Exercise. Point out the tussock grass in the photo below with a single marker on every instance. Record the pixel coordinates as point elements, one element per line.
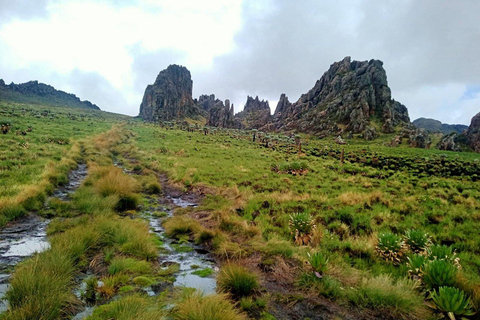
<point>129,307</point>
<point>398,297</point>
<point>180,225</point>
<point>237,280</point>
<point>128,265</point>
<point>194,306</point>
<point>41,287</point>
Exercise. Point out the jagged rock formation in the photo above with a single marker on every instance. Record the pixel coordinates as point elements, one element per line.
<point>433,125</point>
<point>346,98</point>
<point>449,142</point>
<point>283,107</point>
<point>473,133</point>
<point>219,114</point>
<point>205,102</point>
<point>170,97</point>
<point>40,93</point>
<point>255,114</point>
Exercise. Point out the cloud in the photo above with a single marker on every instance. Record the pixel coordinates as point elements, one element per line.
<point>22,9</point>
<point>427,46</point>
<point>236,48</point>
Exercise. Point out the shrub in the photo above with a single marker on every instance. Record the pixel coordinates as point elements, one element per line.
<point>302,226</point>
<point>318,261</point>
<point>442,252</point>
<point>438,273</point>
<point>452,301</point>
<point>415,263</point>
<point>390,247</point>
<point>237,280</point>
<point>194,306</point>
<point>417,240</point>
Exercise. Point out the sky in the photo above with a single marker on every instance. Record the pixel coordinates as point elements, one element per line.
<point>108,51</point>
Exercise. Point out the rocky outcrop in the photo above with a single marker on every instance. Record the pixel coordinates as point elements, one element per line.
<point>417,138</point>
<point>449,142</point>
<point>39,93</point>
<point>221,115</point>
<point>283,107</point>
<point>255,114</point>
<point>205,102</point>
<point>433,125</point>
<point>473,133</point>
<point>347,97</point>
<point>170,97</point>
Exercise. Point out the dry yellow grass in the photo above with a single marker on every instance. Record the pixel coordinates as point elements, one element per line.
<point>352,198</point>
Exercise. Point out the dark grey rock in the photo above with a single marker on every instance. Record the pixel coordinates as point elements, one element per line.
<point>473,133</point>
<point>351,93</point>
<point>170,97</point>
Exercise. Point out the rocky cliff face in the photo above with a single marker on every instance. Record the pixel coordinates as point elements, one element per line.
<point>170,97</point>
<point>473,133</point>
<point>255,114</point>
<point>346,99</point>
<point>219,114</point>
<point>40,93</point>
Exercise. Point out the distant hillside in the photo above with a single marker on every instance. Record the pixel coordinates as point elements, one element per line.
<point>40,93</point>
<point>433,125</point>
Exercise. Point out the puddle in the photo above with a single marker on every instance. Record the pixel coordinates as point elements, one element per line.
<point>179,202</point>
<point>195,258</point>
<point>75,179</point>
<point>189,261</point>
<point>27,235</point>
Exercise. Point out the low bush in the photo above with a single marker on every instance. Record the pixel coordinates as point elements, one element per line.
<point>319,262</point>
<point>417,240</point>
<point>452,301</point>
<point>439,273</point>
<point>390,247</point>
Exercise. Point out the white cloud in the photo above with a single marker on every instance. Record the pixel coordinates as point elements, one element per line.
<point>97,37</point>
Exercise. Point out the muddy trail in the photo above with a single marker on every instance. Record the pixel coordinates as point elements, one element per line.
<point>22,238</point>
<point>189,257</point>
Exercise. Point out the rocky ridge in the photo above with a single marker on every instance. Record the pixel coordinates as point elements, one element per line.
<point>39,93</point>
<point>345,99</point>
<point>255,114</point>
<point>351,97</point>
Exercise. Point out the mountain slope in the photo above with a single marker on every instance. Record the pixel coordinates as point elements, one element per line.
<point>40,93</point>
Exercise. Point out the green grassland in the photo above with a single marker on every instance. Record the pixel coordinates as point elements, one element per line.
<point>360,229</point>
<point>256,190</point>
<point>31,152</point>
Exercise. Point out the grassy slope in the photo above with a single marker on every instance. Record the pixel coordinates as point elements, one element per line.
<point>27,161</point>
<point>349,208</point>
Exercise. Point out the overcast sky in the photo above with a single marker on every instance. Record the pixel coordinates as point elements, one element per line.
<point>109,51</point>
